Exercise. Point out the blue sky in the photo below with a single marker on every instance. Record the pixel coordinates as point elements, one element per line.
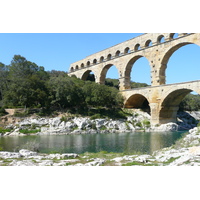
<point>56,51</point>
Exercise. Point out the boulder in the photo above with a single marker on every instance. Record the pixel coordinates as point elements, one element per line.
<point>100,123</point>
<point>166,127</point>
<point>82,122</point>
<point>15,132</point>
<point>27,153</point>
<point>194,150</point>
<point>54,122</point>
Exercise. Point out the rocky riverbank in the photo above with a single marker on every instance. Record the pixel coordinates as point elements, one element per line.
<point>138,121</point>
<point>186,152</point>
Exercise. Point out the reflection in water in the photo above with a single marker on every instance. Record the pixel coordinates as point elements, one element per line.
<point>144,142</point>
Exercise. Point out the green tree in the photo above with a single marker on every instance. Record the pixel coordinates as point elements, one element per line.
<point>26,84</point>
<point>190,103</point>
<point>64,92</point>
<point>3,80</point>
<point>101,95</point>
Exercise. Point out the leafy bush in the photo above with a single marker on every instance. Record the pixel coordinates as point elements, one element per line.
<point>2,112</point>
<point>94,126</point>
<point>139,124</point>
<point>146,123</point>
<point>96,116</point>
<point>190,103</point>
<point>103,128</point>
<point>63,119</point>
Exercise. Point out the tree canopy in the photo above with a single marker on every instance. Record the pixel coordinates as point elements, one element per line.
<point>25,84</point>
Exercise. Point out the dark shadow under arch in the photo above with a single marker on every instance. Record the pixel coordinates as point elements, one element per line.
<point>138,101</point>
<point>170,105</point>
<point>88,75</point>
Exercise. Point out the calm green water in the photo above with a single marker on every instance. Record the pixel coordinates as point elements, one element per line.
<point>144,142</point>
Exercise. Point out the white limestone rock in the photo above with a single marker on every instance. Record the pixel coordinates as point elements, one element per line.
<point>54,122</point>
<point>27,153</point>
<point>166,127</point>
<point>6,154</point>
<point>96,162</point>
<point>143,158</point>
<point>100,123</point>
<point>46,163</point>
<point>22,163</point>
<point>82,122</point>
<point>15,132</point>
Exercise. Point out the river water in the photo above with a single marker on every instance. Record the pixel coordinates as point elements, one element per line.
<point>137,142</point>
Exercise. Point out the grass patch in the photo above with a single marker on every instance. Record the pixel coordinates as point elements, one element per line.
<point>170,160</point>
<point>2,130</point>
<point>146,123</point>
<point>29,131</point>
<point>68,164</point>
<point>101,154</point>
<point>154,163</point>
<point>103,128</point>
<point>96,116</point>
<point>134,163</point>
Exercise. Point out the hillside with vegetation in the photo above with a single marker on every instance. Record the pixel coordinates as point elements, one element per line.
<point>24,84</point>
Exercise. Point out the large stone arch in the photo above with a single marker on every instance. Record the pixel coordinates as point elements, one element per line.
<point>170,105</point>
<point>168,53</point>
<point>137,100</point>
<point>128,67</point>
<point>104,71</point>
<point>86,74</point>
<point>171,100</point>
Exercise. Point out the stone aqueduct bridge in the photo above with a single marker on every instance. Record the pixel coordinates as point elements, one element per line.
<point>157,48</point>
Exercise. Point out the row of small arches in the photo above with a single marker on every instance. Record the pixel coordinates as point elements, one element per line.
<point>137,47</point>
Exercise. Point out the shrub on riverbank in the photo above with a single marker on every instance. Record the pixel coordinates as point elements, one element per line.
<point>2,112</point>
<point>29,131</point>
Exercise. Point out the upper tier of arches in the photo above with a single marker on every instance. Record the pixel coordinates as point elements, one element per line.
<point>124,50</point>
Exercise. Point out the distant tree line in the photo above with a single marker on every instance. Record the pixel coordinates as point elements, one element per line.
<point>190,103</point>
<point>115,83</point>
